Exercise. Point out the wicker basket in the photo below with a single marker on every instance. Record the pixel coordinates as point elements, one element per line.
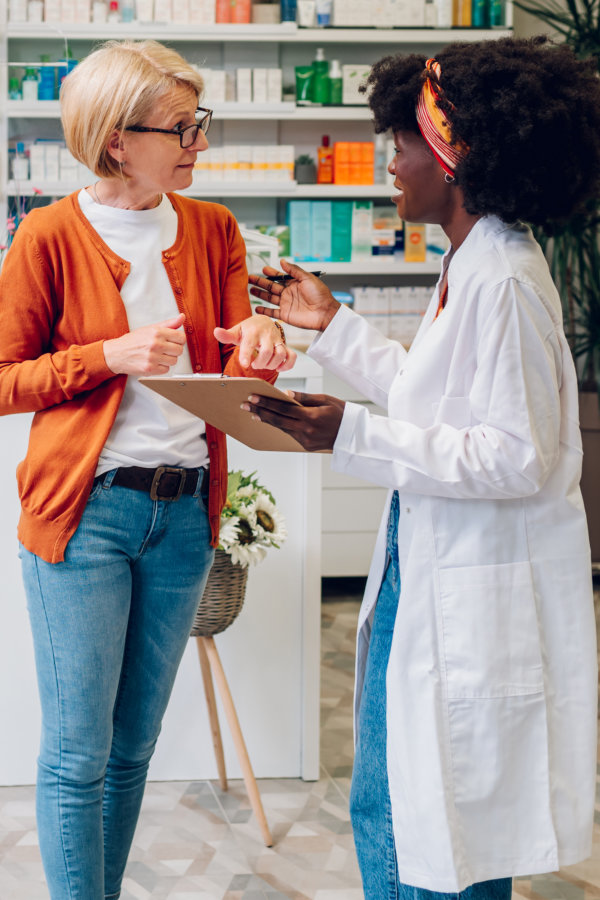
<point>223,597</point>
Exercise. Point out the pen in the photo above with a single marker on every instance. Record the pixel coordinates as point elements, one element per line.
<point>283,279</point>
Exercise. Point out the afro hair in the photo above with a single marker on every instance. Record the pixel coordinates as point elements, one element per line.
<point>528,110</point>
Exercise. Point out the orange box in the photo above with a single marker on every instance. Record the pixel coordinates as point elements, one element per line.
<point>415,249</point>
<point>367,163</point>
<point>341,162</point>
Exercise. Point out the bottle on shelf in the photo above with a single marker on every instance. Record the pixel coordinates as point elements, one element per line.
<point>14,89</point>
<point>288,10</point>
<point>29,85</point>
<point>320,79</point>
<point>47,83</point>
<point>240,12</point>
<point>20,163</point>
<point>497,13</point>
<point>325,161</point>
<point>324,9</point>
<point>127,10</point>
<point>335,83</point>
<point>114,16</point>
<point>479,14</point>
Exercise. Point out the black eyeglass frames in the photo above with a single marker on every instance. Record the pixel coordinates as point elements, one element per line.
<point>187,135</point>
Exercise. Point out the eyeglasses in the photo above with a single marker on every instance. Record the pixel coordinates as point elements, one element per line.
<point>187,135</point>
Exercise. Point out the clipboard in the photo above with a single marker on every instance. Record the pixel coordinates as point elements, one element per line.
<point>217,400</point>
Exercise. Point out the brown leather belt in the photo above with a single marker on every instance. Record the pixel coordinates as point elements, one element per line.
<point>163,483</point>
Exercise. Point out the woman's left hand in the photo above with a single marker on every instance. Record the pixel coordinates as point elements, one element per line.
<point>261,343</point>
<point>314,423</point>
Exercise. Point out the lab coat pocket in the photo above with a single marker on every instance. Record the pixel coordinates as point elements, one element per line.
<point>491,645</point>
<point>454,411</point>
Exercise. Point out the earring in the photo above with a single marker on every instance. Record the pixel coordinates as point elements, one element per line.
<point>449,179</point>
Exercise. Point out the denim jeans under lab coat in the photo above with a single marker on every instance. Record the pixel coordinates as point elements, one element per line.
<point>110,625</point>
<point>370,806</point>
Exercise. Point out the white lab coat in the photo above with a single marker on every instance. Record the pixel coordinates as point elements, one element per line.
<point>492,678</point>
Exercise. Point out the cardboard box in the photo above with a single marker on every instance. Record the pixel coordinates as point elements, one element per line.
<point>321,230</point>
<point>300,222</point>
<point>259,85</point>
<point>274,85</point>
<point>243,80</point>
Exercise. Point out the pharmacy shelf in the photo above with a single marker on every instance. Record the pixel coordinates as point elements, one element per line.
<point>50,109</point>
<point>383,265</point>
<point>225,189</point>
<point>284,33</point>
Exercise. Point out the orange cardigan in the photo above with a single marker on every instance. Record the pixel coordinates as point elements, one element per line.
<point>59,301</point>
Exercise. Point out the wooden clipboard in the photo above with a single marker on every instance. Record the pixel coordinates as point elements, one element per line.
<point>217,400</point>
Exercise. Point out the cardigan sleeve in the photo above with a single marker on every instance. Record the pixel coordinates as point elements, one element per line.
<point>35,371</point>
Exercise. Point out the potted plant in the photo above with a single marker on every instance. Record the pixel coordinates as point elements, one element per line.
<point>573,252</point>
<point>305,170</point>
<point>250,525</point>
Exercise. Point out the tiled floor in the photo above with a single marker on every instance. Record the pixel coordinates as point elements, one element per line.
<point>195,842</point>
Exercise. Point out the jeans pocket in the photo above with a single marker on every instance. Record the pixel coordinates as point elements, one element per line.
<point>96,488</point>
<point>491,641</point>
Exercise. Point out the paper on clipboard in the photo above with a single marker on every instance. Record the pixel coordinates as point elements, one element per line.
<point>217,400</point>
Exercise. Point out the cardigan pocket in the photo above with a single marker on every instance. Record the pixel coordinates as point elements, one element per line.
<point>490,634</point>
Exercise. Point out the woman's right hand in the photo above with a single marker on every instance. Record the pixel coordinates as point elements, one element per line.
<point>305,302</point>
<point>150,350</point>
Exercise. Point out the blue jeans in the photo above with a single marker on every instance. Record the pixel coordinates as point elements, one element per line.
<point>110,624</point>
<point>370,806</point>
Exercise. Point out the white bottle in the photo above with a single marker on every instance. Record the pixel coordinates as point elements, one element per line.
<point>114,16</point>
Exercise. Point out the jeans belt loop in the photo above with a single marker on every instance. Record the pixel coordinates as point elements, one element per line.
<point>155,486</point>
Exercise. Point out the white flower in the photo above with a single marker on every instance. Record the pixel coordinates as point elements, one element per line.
<point>228,535</point>
<point>246,554</point>
<point>270,524</point>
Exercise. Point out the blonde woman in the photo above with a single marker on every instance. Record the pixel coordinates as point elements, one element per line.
<point>121,491</point>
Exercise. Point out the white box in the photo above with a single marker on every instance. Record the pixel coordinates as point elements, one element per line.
<point>352,77</point>
<point>51,154</point>
<point>202,12</point>
<point>180,12</point>
<point>217,86</point>
<point>37,163</point>
<point>144,10</point>
<point>259,85</point>
<point>82,11</point>
<point>286,160</point>
<point>272,156</point>
<point>52,11</point>
<point>216,163</point>
<point>231,169</point>
<point>274,85</point>
<point>17,11</point>
<point>243,79</point>
<point>407,13</point>
<point>259,163</point>
<point>163,11</point>
<point>68,11</point>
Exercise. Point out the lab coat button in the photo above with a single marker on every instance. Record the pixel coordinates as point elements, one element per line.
<point>407,510</point>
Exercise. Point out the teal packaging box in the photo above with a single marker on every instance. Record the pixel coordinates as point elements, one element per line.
<point>300,222</point>
<point>341,231</point>
<point>321,230</point>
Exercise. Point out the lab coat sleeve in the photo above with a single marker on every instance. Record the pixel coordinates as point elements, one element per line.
<point>359,354</point>
<point>510,442</point>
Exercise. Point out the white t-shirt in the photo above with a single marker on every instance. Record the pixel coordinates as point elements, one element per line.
<point>149,430</point>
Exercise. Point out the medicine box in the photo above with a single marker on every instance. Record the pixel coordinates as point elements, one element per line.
<point>352,77</point>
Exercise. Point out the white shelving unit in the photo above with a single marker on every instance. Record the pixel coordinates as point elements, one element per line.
<point>230,46</point>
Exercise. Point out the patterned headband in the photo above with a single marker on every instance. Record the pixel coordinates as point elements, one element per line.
<point>433,123</point>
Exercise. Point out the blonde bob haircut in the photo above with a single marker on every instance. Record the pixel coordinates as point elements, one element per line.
<point>114,87</point>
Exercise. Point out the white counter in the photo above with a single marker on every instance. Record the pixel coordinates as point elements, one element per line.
<point>270,654</point>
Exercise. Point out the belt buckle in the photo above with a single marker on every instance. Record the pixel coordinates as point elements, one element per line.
<point>155,486</point>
